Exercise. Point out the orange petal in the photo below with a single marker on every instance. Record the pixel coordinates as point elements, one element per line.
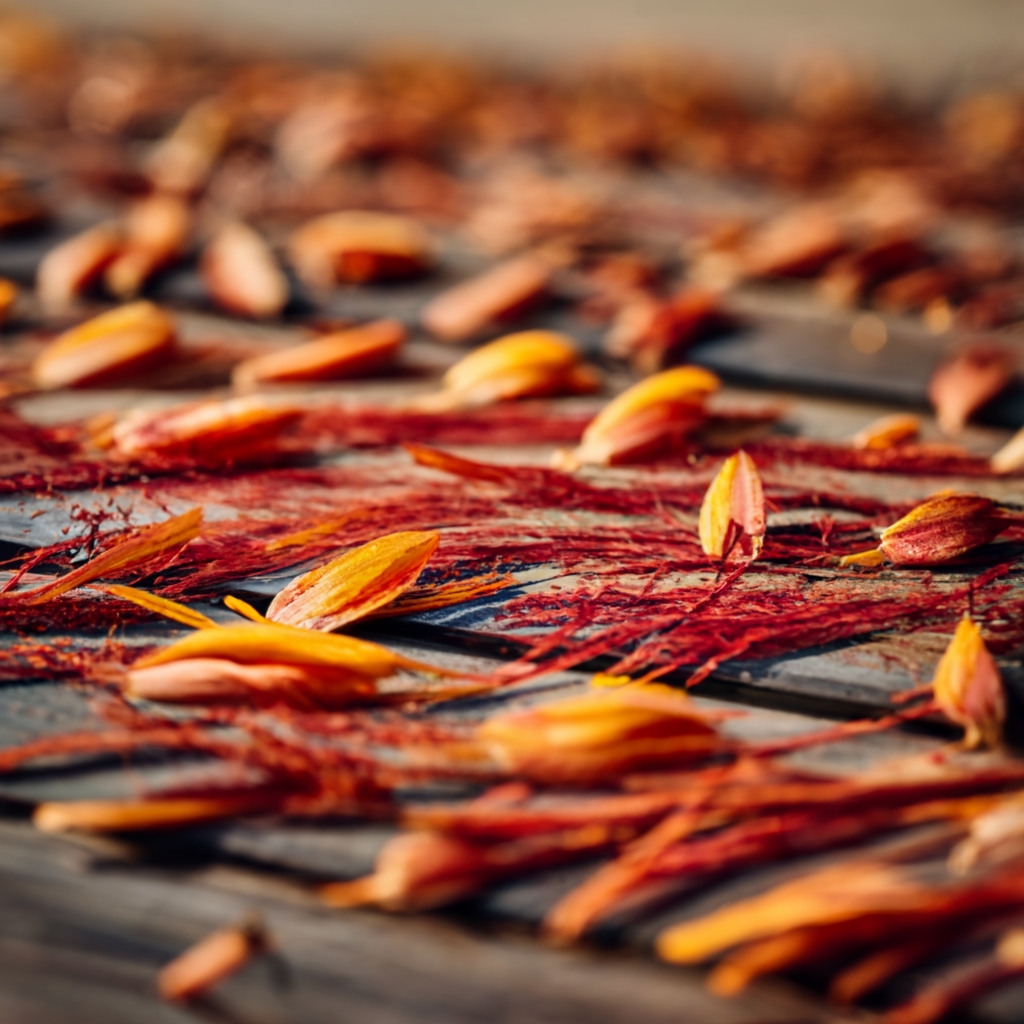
<point>336,356</point>
<point>840,894</point>
<point>887,432</point>
<point>182,161</point>
<point>216,957</point>
<point>356,583</point>
<point>133,548</point>
<point>521,365</point>
<point>423,599</point>
<point>221,681</point>
<point>156,233</point>
<point>109,347</point>
<point>358,246</point>
<point>498,294</point>
<point>136,815</point>
<point>969,689</point>
<point>600,734</point>
<point>208,431</point>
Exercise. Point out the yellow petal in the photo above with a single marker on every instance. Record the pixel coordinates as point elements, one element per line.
<point>647,415</point>
<point>423,599</point>
<point>870,559</point>
<point>271,642</point>
<point>599,734</point>
<point>135,547</point>
<point>968,687</point>
<point>169,609</point>
<point>110,346</point>
<point>236,604</point>
<point>356,583</point>
<point>843,893</point>
<point>733,506</point>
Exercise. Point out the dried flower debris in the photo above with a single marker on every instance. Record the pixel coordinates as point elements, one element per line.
<point>647,546</point>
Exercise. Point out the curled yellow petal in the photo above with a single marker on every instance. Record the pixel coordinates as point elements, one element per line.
<point>969,689</point>
<point>646,418</point>
<point>134,547</point>
<point>733,507</point>
<point>521,365</point>
<point>424,599</point>
<point>236,604</point>
<point>356,583</point>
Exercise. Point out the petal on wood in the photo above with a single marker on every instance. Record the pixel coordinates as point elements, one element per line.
<point>647,416</point>
<point>133,548</point>
<point>943,527</point>
<point>969,689</point>
<point>733,506</point>
<point>347,353</point>
<point>211,960</point>
<point>887,432</point>
<point>356,583</point>
<point>140,815</point>
<point>271,642</point>
<point>960,387</point>
<point>212,431</point>
<point>424,599</point>
<point>843,893</point>
<point>168,609</point>
<point>600,734</point>
<point>111,346</point>
<point>241,274</point>
<point>221,681</point>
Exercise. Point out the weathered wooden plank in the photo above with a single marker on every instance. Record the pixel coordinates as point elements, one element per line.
<point>80,940</point>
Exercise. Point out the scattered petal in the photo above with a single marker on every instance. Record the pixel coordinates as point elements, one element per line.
<point>356,583</point>
<point>969,689</point>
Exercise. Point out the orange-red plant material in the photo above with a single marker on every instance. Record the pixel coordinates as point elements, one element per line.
<point>212,959</point>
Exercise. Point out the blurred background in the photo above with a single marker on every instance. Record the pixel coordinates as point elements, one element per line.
<point>920,44</point>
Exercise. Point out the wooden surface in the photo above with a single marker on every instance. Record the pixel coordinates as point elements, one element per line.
<point>84,925</point>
